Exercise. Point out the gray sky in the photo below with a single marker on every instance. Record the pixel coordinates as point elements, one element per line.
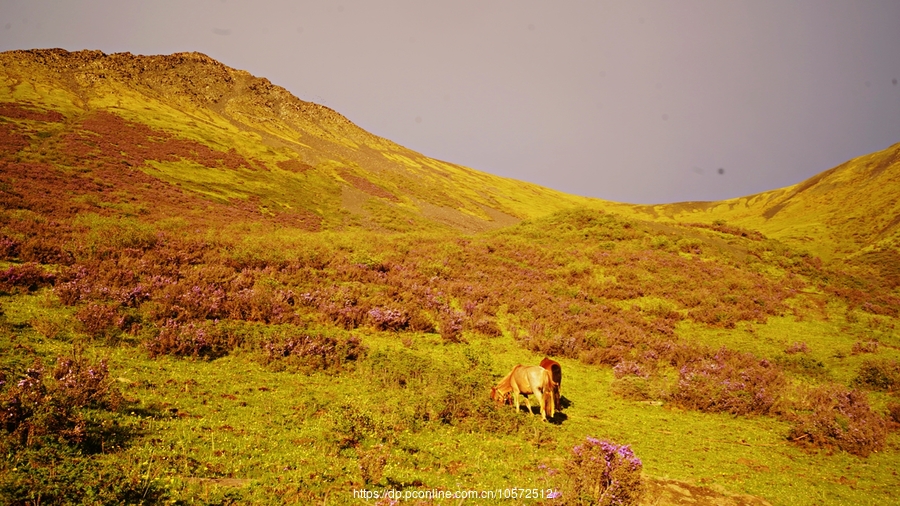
<point>632,101</point>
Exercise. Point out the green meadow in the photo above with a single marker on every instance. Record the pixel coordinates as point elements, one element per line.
<point>212,292</point>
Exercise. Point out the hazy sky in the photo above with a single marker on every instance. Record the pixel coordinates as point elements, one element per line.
<point>642,102</point>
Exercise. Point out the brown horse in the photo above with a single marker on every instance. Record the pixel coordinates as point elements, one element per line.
<point>527,380</point>
<point>556,374</point>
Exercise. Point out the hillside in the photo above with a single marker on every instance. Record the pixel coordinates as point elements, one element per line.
<point>225,137</point>
<point>213,292</point>
<point>849,211</point>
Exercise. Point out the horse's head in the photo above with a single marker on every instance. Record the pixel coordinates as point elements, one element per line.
<point>499,397</point>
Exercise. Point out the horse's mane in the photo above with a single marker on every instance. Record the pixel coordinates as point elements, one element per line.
<point>505,384</point>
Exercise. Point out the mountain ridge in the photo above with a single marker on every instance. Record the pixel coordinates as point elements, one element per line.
<point>196,97</point>
<point>321,167</point>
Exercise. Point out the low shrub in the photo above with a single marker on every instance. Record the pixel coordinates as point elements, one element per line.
<point>86,384</point>
<point>64,475</point>
<point>353,425</point>
<point>420,322</point>
<point>729,381</point>
<point>880,374</point>
<point>487,326</point>
<point>206,339</point>
<point>452,392</point>
<point>894,412</point>
<point>313,352</point>
<point>860,347</point>
<point>38,409</point>
<point>261,305</point>
<point>74,285</point>
<point>9,248</point>
<point>347,314</point>
<point>602,473</point>
<point>26,277</point>
<point>451,326</point>
<point>372,462</point>
<point>635,382</point>
<point>637,388</point>
<point>397,369</point>
<point>797,347</point>
<point>612,355</point>
<point>101,321</point>
<point>388,319</point>
<point>44,250</point>
<point>833,416</point>
<point>628,368</point>
<point>803,364</point>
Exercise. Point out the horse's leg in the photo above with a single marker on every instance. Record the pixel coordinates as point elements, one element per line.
<point>551,402</point>
<point>527,403</point>
<point>540,399</point>
<point>549,395</point>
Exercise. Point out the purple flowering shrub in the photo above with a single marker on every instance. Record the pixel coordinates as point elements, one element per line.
<point>602,473</point>
<point>102,321</point>
<point>833,416</point>
<point>388,319</point>
<point>312,352</point>
<point>74,285</point>
<point>729,381</point>
<point>86,384</point>
<point>42,406</point>
<point>26,277</point>
<point>628,368</point>
<point>9,247</point>
<point>348,313</point>
<point>450,325</point>
<point>205,339</point>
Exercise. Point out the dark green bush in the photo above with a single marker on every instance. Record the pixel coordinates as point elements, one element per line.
<point>880,374</point>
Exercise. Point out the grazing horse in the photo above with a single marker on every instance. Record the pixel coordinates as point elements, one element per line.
<point>556,374</point>
<point>527,380</point>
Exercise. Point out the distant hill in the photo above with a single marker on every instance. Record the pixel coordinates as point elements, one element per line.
<point>850,210</point>
<point>223,137</point>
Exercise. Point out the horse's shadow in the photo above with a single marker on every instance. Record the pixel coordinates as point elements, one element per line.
<point>558,417</point>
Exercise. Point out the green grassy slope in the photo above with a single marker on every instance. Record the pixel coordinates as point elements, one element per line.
<point>314,161</point>
<point>212,292</point>
<point>846,211</point>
